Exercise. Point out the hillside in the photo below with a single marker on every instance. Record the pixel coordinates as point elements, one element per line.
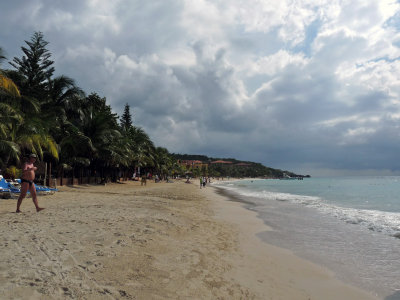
<point>235,168</point>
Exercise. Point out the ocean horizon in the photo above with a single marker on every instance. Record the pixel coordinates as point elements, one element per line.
<point>350,224</point>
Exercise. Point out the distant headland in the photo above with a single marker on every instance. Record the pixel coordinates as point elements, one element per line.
<point>230,167</point>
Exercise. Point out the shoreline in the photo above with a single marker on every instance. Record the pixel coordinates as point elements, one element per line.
<point>357,254</point>
<point>162,241</point>
<point>288,275</point>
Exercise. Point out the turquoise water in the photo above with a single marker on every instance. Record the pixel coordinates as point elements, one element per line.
<point>373,193</point>
<point>371,201</point>
<point>349,224</point>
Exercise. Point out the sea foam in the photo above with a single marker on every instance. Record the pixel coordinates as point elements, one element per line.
<point>379,221</point>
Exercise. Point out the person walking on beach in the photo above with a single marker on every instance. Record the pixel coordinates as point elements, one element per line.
<point>201,181</point>
<point>144,179</point>
<point>27,178</point>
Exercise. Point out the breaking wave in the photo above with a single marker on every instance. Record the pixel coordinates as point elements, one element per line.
<point>375,220</point>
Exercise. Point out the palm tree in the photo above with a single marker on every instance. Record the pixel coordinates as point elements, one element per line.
<point>75,150</point>
<point>142,147</point>
<point>8,115</point>
<point>6,84</point>
<point>100,126</point>
<point>163,161</point>
<point>21,135</point>
<point>63,100</point>
<point>21,132</point>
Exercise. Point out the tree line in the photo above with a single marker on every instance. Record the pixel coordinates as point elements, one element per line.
<point>77,134</point>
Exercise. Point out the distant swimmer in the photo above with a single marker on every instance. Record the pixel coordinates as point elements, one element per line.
<point>27,178</point>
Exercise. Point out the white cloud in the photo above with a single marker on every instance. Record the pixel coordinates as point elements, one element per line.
<point>273,64</point>
<point>181,56</point>
<point>203,20</point>
<point>355,119</point>
<point>258,15</point>
<point>379,75</point>
<point>357,136</point>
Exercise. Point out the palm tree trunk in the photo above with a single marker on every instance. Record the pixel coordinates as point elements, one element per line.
<point>49,174</point>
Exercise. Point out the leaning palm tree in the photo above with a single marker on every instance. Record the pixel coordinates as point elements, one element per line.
<point>31,135</point>
<point>25,136</point>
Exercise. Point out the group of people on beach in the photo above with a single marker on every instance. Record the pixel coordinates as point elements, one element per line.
<point>203,181</point>
<point>143,178</point>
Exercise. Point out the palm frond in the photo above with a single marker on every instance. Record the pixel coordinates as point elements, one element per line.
<point>29,104</point>
<point>11,149</point>
<point>8,85</point>
<point>9,114</point>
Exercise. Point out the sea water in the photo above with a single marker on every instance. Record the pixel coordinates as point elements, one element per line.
<point>350,225</point>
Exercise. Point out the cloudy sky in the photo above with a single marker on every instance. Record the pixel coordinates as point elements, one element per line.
<point>311,86</point>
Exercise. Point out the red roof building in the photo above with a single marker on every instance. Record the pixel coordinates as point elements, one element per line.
<point>221,162</point>
<point>190,164</point>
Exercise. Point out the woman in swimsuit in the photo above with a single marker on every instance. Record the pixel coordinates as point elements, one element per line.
<point>27,178</point>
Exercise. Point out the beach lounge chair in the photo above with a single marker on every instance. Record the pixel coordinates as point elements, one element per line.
<point>44,190</point>
<point>13,188</point>
<point>5,193</point>
<point>6,190</point>
<point>41,189</point>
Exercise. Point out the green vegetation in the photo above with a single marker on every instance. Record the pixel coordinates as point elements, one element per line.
<point>236,168</point>
<point>78,135</point>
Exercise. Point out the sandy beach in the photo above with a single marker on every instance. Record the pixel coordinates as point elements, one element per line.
<point>161,241</point>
